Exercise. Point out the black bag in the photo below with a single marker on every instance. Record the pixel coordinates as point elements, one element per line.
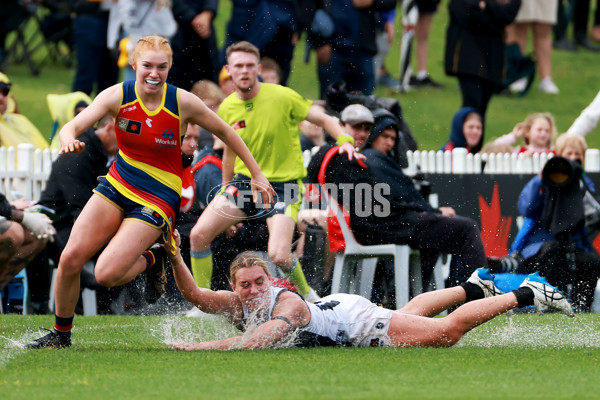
<point>313,259</point>
<point>518,66</point>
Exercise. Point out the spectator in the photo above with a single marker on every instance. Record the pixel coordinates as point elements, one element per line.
<point>588,119</point>
<point>195,53</point>
<point>267,24</point>
<point>427,9</point>
<point>540,16</point>
<point>12,14</point>
<point>578,12</point>
<point>271,73</point>
<point>349,55</point>
<point>210,93</point>
<point>266,116</point>
<point>278,318</point>
<point>312,135</point>
<point>24,234</point>
<point>581,14</point>
<point>412,220</point>
<point>16,128</point>
<point>466,131</point>
<point>538,132</point>
<point>225,82</point>
<point>135,19</point>
<point>63,108</point>
<point>96,67</point>
<point>553,236</point>
<point>475,48</point>
<point>357,120</point>
<point>386,31</point>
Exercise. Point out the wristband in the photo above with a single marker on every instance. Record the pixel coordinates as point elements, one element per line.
<point>345,138</point>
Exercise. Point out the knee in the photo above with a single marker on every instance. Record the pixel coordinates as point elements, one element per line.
<point>199,237</point>
<point>451,335</point>
<point>104,278</point>
<point>71,263</point>
<point>281,258</point>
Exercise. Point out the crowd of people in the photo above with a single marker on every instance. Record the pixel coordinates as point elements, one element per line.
<point>198,156</point>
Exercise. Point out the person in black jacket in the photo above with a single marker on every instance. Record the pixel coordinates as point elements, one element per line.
<point>349,55</point>
<point>405,217</point>
<point>195,54</point>
<point>96,68</point>
<point>475,47</point>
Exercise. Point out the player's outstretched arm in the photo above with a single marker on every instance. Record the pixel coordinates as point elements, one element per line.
<point>221,302</point>
<point>106,102</point>
<point>265,336</point>
<point>290,313</point>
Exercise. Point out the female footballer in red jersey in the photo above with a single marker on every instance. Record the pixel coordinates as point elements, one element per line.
<point>135,204</point>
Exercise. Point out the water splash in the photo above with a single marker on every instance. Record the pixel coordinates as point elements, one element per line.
<point>520,331</point>
<point>14,347</point>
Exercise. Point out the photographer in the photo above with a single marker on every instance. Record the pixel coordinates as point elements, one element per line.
<point>553,237</point>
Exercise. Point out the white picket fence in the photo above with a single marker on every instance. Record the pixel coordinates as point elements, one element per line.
<point>24,171</point>
<point>458,161</point>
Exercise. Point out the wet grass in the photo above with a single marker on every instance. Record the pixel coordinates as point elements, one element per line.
<point>523,356</point>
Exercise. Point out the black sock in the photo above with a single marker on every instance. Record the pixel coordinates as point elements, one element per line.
<point>524,296</point>
<point>63,326</point>
<point>473,291</point>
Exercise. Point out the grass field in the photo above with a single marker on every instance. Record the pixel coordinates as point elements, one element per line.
<point>118,357</point>
<point>428,112</point>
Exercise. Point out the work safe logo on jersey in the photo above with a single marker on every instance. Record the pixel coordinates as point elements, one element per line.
<point>129,125</point>
<point>239,124</point>
<point>167,139</point>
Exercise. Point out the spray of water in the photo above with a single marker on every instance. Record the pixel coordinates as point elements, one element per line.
<point>526,332</point>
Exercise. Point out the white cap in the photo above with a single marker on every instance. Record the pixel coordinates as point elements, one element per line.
<point>356,114</point>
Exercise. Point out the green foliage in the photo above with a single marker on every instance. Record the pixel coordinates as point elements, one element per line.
<point>523,356</point>
<point>427,111</point>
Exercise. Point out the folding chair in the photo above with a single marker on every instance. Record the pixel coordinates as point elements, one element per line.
<point>30,36</point>
<point>354,268</point>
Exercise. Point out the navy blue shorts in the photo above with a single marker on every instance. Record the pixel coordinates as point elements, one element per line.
<point>131,209</point>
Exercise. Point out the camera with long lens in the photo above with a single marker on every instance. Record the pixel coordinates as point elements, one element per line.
<point>561,173</point>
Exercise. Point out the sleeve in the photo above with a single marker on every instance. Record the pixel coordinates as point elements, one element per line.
<point>299,105</point>
<point>184,13</point>
<point>531,199</point>
<point>588,119</point>
<point>508,139</point>
<point>5,207</point>
<point>207,179</point>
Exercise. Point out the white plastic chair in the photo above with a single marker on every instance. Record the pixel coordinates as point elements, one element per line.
<point>88,296</point>
<point>354,268</point>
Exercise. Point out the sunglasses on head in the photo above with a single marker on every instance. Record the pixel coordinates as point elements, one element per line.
<point>4,90</point>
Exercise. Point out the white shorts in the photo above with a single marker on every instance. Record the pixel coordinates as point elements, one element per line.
<point>538,11</point>
<point>364,324</point>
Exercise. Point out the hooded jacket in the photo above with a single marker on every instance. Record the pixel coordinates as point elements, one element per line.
<point>457,136</point>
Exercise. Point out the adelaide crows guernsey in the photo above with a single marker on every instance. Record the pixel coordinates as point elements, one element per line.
<point>148,167</point>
